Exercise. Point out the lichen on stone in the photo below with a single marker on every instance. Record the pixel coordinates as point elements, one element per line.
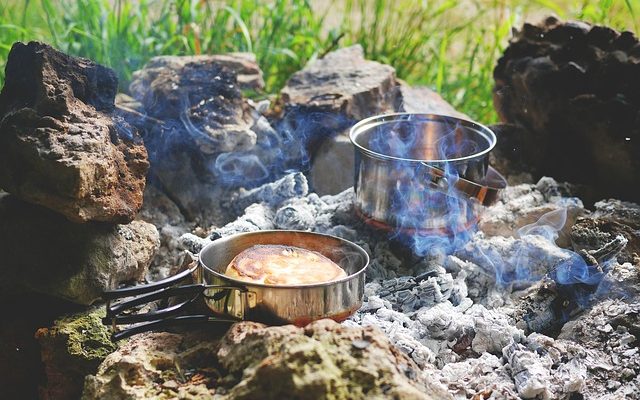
<point>86,336</point>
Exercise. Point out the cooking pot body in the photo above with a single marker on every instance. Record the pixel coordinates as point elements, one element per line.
<point>394,160</point>
<point>276,305</point>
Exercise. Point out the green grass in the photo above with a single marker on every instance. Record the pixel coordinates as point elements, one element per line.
<point>449,45</point>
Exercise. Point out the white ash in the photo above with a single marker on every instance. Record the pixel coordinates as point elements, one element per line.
<point>519,261</point>
<point>451,314</point>
<point>273,194</point>
<point>524,204</point>
<point>609,332</point>
<point>620,281</point>
<point>486,374</point>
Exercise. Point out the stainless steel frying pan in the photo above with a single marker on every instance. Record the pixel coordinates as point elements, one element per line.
<point>232,300</point>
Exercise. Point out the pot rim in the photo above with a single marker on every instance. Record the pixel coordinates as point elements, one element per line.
<point>220,242</point>
<point>370,122</point>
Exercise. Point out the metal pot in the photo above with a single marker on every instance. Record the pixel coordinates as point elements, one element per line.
<point>231,300</point>
<point>422,173</point>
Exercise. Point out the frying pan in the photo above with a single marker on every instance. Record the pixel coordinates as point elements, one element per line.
<point>231,300</point>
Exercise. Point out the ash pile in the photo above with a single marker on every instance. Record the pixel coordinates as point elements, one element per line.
<point>508,314</point>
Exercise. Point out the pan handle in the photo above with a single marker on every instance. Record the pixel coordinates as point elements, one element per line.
<point>109,295</point>
<point>167,323</point>
<point>485,192</point>
<point>114,310</point>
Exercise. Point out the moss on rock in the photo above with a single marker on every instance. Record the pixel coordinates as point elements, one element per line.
<point>71,349</point>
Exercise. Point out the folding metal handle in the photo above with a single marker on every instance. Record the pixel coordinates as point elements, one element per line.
<point>109,295</point>
<point>484,192</point>
<point>169,316</point>
<point>184,320</point>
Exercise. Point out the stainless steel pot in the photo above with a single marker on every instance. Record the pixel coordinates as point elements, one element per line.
<point>422,173</point>
<point>231,300</point>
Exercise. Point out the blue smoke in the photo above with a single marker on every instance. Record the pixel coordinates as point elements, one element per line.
<point>431,220</point>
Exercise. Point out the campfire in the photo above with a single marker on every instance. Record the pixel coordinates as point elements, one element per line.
<point>458,262</point>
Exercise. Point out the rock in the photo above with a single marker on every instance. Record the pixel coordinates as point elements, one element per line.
<point>201,133</point>
<point>323,360</point>
<point>332,166</point>
<point>160,366</point>
<point>201,96</point>
<point>329,95</point>
<point>572,89</point>
<point>60,145</point>
<point>514,149</point>
<point>71,349</point>
<point>421,99</point>
<point>248,72</point>
<point>46,253</point>
<point>342,82</point>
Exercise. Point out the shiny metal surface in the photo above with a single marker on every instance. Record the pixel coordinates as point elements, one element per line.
<point>274,304</point>
<point>404,168</point>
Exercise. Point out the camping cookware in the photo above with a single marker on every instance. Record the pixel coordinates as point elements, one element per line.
<point>233,300</point>
<point>414,171</point>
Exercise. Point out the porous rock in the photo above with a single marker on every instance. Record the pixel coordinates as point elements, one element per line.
<point>201,133</point>
<point>60,145</point>
<point>571,88</point>
<point>44,252</point>
<point>71,349</point>
<point>323,360</point>
<point>160,366</point>
<point>342,82</point>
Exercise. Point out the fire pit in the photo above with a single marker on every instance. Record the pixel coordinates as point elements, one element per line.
<point>457,286</point>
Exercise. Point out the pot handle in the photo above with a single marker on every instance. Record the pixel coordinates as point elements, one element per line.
<point>485,192</point>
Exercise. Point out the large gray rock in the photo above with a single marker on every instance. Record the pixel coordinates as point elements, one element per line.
<point>44,252</point>
<point>421,99</point>
<point>323,360</point>
<point>60,145</point>
<point>342,82</point>
<point>201,133</point>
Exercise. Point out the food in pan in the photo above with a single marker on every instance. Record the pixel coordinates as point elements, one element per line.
<point>283,265</point>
